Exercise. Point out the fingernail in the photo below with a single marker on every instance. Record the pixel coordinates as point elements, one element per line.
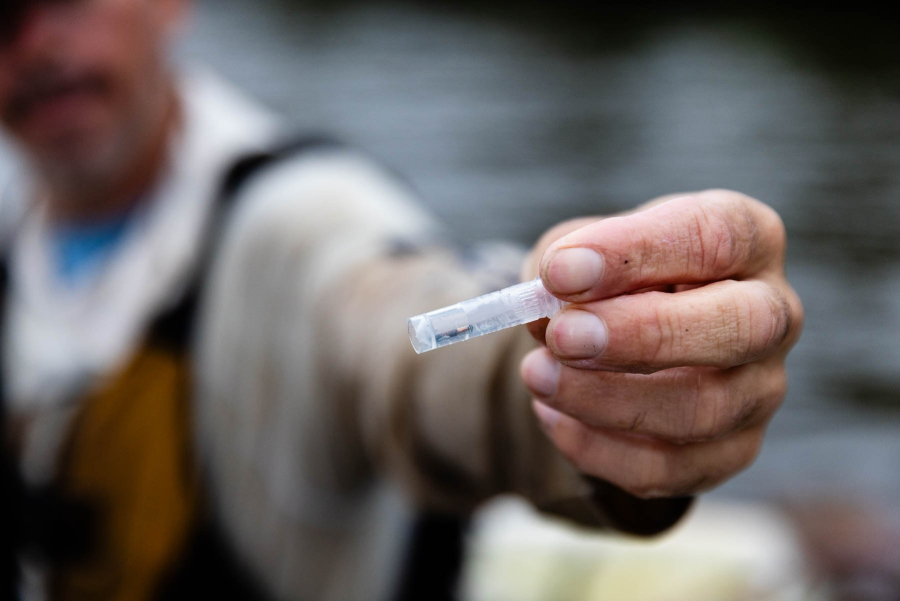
<point>547,416</point>
<point>540,371</point>
<point>578,335</point>
<point>574,270</point>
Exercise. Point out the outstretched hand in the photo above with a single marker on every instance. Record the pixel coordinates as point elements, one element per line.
<point>663,373</point>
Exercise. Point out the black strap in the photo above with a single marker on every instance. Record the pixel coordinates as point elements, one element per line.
<point>209,566</point>
<point>174,327</point>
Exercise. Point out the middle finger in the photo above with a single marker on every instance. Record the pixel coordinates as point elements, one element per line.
<point>681,405</point>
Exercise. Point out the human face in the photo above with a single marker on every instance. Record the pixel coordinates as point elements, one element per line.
<point>84,82</point>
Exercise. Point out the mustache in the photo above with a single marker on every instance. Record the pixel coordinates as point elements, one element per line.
<point>47,82</point>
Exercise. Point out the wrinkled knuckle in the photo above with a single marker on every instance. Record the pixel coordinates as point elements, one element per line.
<point>647,257</point>
<point>658,341</point>
<point>741,415</point>
<point>768,223</point>
<point>763,224</point>
<point>729,334</point>
<point>751,325</point>
<point>779,320</point>
<point>736,227</point>
<point>717,243</point>
<point>712,409</point>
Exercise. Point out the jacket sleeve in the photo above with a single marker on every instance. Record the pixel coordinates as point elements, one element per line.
<point>308,382</point>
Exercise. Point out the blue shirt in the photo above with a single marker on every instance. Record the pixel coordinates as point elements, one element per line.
<point>80,249</point>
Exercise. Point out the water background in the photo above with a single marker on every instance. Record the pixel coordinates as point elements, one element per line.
<point>509,117</point>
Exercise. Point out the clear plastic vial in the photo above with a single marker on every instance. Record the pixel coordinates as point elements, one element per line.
<point>513,306</point>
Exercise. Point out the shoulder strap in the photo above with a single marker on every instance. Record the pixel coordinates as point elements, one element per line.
<point>174,327</point>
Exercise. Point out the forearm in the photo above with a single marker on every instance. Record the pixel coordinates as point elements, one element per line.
<point>456,426</point>
<point>308,383</point>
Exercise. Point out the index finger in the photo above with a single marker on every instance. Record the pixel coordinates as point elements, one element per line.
<point>695,239</point>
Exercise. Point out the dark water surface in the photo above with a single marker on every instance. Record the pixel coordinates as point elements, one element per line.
<point>510,121</point>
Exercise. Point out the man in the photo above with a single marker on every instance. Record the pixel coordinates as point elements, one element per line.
<point>198,383</point>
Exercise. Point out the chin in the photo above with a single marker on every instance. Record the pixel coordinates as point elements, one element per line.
<point>82,160</point>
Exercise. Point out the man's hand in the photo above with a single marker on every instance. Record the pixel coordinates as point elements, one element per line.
<point>663,373</point>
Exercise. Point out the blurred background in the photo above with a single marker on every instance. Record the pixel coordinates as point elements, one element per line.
<point>509,117</point>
